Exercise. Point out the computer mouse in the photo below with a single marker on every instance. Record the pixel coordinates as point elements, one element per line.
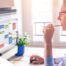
<point>35,59</point>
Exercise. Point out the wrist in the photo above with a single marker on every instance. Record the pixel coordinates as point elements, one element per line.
<point>48,43</point>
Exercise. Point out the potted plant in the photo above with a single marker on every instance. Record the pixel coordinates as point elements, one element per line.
<point>22,42</point>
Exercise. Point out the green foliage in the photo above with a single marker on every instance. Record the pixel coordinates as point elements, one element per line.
<point>23,40</point>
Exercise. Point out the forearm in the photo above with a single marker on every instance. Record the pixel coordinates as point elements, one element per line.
<point>48,54</point>
<point>48,49</point>
<point>48,34</point>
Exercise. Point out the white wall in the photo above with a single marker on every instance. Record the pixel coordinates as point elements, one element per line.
<point>18,6</point>
<point>27,16</point>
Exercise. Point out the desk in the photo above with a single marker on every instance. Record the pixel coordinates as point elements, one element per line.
<point>4,62</point>
<point>37,51</point>
<point>25,60</point>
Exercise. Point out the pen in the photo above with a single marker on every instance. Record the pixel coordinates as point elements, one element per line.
<point>57,25</point>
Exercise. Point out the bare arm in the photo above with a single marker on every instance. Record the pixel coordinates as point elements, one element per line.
<point>48,49</point>
<point>48,34</point>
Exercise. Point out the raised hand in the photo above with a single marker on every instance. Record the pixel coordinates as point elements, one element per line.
<point>48,32</point>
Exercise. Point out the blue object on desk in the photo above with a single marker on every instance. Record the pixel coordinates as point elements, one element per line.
<point>20,51</point>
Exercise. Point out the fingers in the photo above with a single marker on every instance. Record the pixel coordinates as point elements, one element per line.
<point>48,32</point>
<point>48,27</point>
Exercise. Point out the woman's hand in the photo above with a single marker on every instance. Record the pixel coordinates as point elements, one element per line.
<point>48,32</point>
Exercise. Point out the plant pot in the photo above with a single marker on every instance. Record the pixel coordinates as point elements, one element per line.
<point>20,51</point>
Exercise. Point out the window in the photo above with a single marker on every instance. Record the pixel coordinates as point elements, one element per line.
<point>41,16</point>
<point>38,13</point>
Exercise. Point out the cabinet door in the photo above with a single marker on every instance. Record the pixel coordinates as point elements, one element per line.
<point>6,3</point>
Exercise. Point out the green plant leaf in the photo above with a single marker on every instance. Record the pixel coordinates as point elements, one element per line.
<point>23,40</point>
